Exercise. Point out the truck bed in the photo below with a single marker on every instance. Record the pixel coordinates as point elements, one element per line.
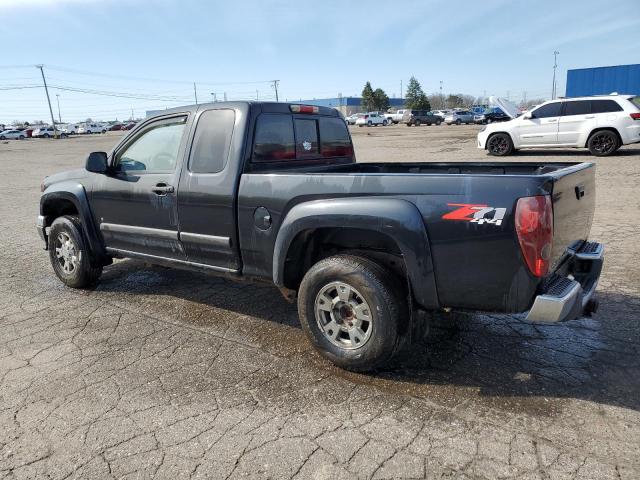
<point>476,266</point>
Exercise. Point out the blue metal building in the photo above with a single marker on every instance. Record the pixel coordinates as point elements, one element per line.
<point>603,80</point>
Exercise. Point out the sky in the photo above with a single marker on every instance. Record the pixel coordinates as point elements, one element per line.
<point>98,53</point>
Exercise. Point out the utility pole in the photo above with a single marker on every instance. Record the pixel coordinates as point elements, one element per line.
<point>257,95</point>
<point>275,87</point>
<point>53,120</point>
<point>195,92</point>
<point>225,96</point>
<point>555,66</point>
<point>524,97</point>
<point>441,96</point>
<point>401,89</point>
<point>59,116</point>
<point>213,97</point>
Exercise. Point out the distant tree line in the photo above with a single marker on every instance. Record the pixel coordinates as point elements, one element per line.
<point>416,99</point>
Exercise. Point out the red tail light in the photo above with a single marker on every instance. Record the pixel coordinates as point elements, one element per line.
<point>635,116</point>
<point>534,226</point>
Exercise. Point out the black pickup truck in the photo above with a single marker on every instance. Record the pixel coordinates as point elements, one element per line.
<point>272,192</point>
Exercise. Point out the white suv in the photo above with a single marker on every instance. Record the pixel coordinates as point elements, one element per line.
<point>601,123</point>
<point>371,119</point>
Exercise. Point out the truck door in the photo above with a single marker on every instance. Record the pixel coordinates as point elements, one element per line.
<point>206,193</point>
<point>542,127</point>
<point>135,203</point>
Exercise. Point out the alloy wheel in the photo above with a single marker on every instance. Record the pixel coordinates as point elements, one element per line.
<point>343,315</point>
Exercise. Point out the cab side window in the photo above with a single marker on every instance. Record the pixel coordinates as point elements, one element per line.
<point>211,141</point>
<point>155,149</point>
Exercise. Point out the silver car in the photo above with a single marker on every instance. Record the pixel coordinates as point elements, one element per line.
<point>459,117</point>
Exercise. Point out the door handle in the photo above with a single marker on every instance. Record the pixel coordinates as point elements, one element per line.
<point>162,189</point>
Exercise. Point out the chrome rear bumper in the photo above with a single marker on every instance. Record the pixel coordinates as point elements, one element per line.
<point>570,296</point>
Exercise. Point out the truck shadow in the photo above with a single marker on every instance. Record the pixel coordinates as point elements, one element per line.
<point>502,359</point>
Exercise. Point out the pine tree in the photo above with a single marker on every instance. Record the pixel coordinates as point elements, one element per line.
<point>415,99</point>
<point>367,97</point>
<point>380,100</point>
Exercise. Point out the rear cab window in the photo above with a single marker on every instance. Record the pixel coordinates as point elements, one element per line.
<point>296,138</point>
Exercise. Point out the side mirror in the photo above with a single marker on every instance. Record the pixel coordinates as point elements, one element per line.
<point>97,162</point>
<point>528,115</point>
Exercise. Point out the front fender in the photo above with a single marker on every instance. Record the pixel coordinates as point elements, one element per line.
<point>398,219</point>
<point>75,193</point>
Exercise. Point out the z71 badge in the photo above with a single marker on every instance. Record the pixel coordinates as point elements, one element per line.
<point>475,213</point>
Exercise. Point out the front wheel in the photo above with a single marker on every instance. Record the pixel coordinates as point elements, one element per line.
<point>500,145</point>
<point>384,123</point>
<point>417,124</point>
<point>438,122</point>
<point>603,143</point>
<point>458,122</point>
<point>352,311</point>
<point>68,253</point>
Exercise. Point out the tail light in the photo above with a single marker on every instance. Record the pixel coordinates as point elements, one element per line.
<point>534,226</point>
<point>635,116</point>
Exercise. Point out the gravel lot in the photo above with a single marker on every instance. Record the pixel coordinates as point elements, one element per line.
<point>168,374</point>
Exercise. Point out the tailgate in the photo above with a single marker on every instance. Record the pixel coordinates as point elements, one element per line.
<point>574,197</point>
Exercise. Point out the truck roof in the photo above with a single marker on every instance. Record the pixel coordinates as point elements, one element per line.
<point>267,107</point>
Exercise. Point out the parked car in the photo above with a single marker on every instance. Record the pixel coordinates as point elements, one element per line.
<point>419,117</point>
<point>89,128</point>
<point>70,129</point>
<point>600,123</point>
<point>441,113</point>
<point>129,126</point>
<point>12,135</point>
<point>351,119</point>
<point>459,117</point>
<point>115,127</point>
<point>371,119</point>
<point>491,116</point>
<point>395,117</point>
<point>358,244</point>
<point>46,132</point>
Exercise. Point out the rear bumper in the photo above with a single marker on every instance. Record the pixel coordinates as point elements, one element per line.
<point>570,293</point>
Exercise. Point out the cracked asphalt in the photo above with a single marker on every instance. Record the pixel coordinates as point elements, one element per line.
<point>161,373</point>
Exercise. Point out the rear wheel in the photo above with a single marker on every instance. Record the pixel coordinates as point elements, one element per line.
<point>458,122</point>
<point>369,123</point>
<point>21,137</point>
<point>46,135</point>
<point>438,122</point>
<point>352,311</point>
<point>68,253</point>
<point>384,123</point>
<point>603,143</point>
<point>417,124</point>
<point>500,145</point>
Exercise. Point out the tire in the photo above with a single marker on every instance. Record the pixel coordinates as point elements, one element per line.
<point>369,123</point>
<point>68,253</point>
<point>603,143</point>
<point>384,123</point>
<point>2,137</point>
<point>365,340</point>
<point>500,145</point>
<point>21,137</point>
<point>46,135</point>
<point>438,122</point>
<point>458,122</point>
<point>417,123</point>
